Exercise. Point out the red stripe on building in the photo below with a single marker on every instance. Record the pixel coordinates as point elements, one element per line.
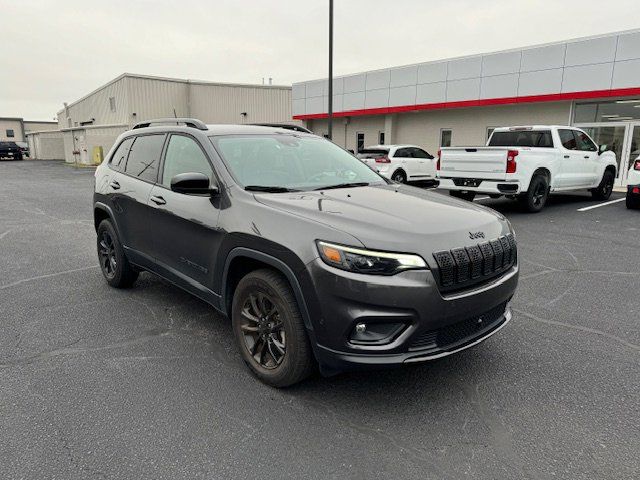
<point>552,97</point>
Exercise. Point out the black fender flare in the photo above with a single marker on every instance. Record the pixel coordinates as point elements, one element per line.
<point>107,209</point>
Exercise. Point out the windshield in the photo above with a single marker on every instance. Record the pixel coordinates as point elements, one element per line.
<point>289,162</point>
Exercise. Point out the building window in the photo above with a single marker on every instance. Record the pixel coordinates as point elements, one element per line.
<point>489,132</point>
<point>381,138</point>
<point>112,103</point>
<point>359,142</point>
<point>11,133</point>
<point>445,137</point>
<point>624,110</point>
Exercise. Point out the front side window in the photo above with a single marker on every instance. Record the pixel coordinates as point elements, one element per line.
<point>11,133</point>
<point>144,157</point>
<point>184,155</point>
<point>445,138</point>
<point>568,139</point>
<point>290,162</point>
<point>584,142</point>
<point>119,158</point>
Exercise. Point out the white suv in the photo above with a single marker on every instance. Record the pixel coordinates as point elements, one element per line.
<point>633,185</point>
<point>401,163</point>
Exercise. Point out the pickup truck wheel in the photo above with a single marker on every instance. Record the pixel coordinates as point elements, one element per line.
<point>535,198</point>
<point>269,329</point>
<point>399,176</point>
<point>115,267</point>
<point>603,191</point>
<point>468,196</point>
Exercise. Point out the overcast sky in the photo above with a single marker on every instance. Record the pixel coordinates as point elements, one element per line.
<point>57,51</point>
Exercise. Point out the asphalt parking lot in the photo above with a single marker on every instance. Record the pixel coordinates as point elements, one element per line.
<point>147,382</point>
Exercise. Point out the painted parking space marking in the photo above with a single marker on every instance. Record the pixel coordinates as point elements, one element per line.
<point>601,205</point>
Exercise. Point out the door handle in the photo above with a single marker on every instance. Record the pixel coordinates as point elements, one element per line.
<point>567,156</point>
<point>158,200</point>
<point>587,156</point>
<point>115,185</point>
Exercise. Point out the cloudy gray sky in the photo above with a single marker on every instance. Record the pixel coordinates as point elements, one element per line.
<point>55,51</point>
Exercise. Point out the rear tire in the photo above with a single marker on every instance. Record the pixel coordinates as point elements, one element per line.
<point>269,329</point>
<point>534,199</point>
<point>399,176</point>
<point>604,190</point>
<point>115,267</point>
<point>468,196</point>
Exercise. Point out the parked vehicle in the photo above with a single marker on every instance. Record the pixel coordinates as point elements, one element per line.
<point>528,163</point>
<point>24,148</point>
<point>11,151</point>
<point>633,185</point>
<point>316,258</point>
<point>400,163</point>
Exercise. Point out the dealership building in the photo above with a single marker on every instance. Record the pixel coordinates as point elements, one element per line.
<point>592,83</point>
<point>88,127</point>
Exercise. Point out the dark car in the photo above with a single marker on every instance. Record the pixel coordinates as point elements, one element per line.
<point>11,151</point>
<point>317,259</point>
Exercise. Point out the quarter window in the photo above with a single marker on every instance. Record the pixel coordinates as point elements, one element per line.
<point>184,155</point>
<point>119,158</point>
<point>144,157</point>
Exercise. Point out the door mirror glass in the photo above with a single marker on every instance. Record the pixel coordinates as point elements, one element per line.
<point>192,183</point>
<point>603,148</point>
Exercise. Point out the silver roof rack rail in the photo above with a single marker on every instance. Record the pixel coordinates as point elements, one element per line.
<point>189,122</point>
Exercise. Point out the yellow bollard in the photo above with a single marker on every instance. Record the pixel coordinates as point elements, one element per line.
<point>98,155</point>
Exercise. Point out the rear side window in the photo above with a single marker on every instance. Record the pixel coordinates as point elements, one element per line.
<point>184,155</point>
<point>119,157</point>
<point>568,139</point>
<point>419,153</point>
<point>519,138</point>
<point>144,157</point>
<point>402,153</point>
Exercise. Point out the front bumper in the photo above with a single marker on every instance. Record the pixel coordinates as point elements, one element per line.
<point>433,324</point>
<point>493,187</point>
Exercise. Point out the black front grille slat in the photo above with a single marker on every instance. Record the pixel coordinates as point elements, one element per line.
<point>460,332</point>
<point>462,264</point>
<point>465,267</point>
<point>475,256</point>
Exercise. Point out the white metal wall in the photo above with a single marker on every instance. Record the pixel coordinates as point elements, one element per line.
<point>213,103</point>
<point>33,126</point>
<point>154,98</point>
<point>11,124</point>
<point>46,145</point>
<point>590,64</point>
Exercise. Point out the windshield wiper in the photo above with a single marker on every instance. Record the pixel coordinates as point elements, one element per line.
<point>269,189</point>
<point>344,185</point>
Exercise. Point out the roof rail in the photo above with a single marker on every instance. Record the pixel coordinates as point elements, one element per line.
<point>189,122</point>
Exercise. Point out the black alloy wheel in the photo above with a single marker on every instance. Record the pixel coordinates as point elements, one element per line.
<point>107,255</point>
<point>399,176</point>
<point>534,199</point>
<point>263,330</point>
<point>117,270</point>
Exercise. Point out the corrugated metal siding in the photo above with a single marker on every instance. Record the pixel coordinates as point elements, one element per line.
<point>30,126</point>
<point>46,145</point>
<point>155,98</point>
<point>225,103</point>
<point>14,125</point>
<point>97,106</point>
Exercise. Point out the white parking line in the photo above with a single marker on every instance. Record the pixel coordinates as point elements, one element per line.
<point>600,205</point>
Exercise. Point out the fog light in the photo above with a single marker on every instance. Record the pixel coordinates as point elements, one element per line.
<point>375,333</point>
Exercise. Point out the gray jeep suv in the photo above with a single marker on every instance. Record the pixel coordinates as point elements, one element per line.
<point>318,260</point>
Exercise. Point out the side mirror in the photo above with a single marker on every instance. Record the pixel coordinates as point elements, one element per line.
<point>193,183</point>
<point>603,148</point>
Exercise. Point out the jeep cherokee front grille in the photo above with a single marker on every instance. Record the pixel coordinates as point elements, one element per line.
<point>466,267</point>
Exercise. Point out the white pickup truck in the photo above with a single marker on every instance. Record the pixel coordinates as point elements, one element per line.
<point>527,163</point>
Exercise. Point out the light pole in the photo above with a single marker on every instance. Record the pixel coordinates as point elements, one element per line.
<point>330,106</point>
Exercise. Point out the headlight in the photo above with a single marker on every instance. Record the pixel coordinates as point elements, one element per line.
<point>367,261</point>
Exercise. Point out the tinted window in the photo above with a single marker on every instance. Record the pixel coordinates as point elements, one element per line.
<point>419,153</point>
<point>10,133</point>
<point>144,157</point>
<point>584,142</point>
<point>539,139</point>
<point>184,155</point>
<point>567,139</point>
<point>402,153</point>
<point>359,142</point>
<point>445,138</point>
<point>119,157</point>
<point>373,153</point>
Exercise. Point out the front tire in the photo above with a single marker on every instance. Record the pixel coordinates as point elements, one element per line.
<point>468,196</point>
<point>269,329</point>
<point>115,267</point>
<point>604,190</point>
<point>534,199</point>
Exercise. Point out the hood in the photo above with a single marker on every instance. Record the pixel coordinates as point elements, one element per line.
<point>396,218</point>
